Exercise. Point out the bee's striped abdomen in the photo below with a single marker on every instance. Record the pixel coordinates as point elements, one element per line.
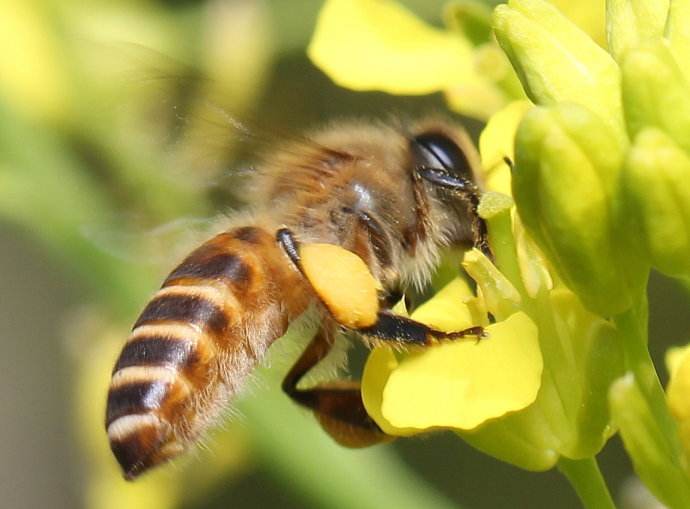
<point>194,344</point>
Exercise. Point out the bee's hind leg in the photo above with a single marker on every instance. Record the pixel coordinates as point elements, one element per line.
<point>338,404</point>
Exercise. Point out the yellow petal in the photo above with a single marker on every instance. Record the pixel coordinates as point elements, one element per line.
<point>488,88</point>
<point>496,144</point>
<point>451,309</point>
<point>499,179</point>
<point>380,45</point>
<point>380,364</point>
<point>462,384</point>
<point>343,282</point>
<point>477,97</point>
<point>675,357</point>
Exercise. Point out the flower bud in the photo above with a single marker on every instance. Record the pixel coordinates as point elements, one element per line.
<point>564,183</point>
<point>629,22</point>
<point>657,196</point>
<point>655,93</point>
<point>556,61</point>
<point>656,459</point>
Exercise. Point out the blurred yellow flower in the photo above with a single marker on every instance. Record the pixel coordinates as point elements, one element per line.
<point>30,74</point>
<point>677,391</point>
<point>380,45</point>
<point>365,45</point>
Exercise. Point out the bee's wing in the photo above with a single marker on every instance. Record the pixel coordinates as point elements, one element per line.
<point>197,134</point>
<point>179,111</point>
<point>159,246</point>
<point>194,119</point>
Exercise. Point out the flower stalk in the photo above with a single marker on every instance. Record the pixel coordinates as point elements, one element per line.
<point>586,479</point>
<point>632,325</point>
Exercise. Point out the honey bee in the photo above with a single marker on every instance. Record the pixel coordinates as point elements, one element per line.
<point>394,194</point>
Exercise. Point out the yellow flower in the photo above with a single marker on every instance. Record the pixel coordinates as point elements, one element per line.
<point>454,385</point>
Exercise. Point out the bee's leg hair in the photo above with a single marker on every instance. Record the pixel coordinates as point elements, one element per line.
<point>289,244</point>
<point>338,404</point>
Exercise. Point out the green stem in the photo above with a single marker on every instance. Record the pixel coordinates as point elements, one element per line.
<point>633,327</point>
<point>302,457</point>
<point>586,479</point>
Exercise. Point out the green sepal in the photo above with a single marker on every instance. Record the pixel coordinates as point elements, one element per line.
<point>523,439</point>
<point>584,373</point>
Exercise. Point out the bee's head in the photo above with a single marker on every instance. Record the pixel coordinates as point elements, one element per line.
<point>445,163</point>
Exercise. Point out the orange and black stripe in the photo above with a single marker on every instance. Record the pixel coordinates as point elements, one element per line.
<point>170,364</point>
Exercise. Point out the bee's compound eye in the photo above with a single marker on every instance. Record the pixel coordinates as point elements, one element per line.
<point>436,150</point>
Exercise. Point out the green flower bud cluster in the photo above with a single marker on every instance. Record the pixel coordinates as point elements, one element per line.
<point>601,182</point>
<point>602,162</point>
<point>656,174</point>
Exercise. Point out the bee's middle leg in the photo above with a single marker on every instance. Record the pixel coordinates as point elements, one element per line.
<point>338,404</point>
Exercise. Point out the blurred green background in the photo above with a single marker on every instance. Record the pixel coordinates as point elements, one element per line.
<point>114,143</point>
